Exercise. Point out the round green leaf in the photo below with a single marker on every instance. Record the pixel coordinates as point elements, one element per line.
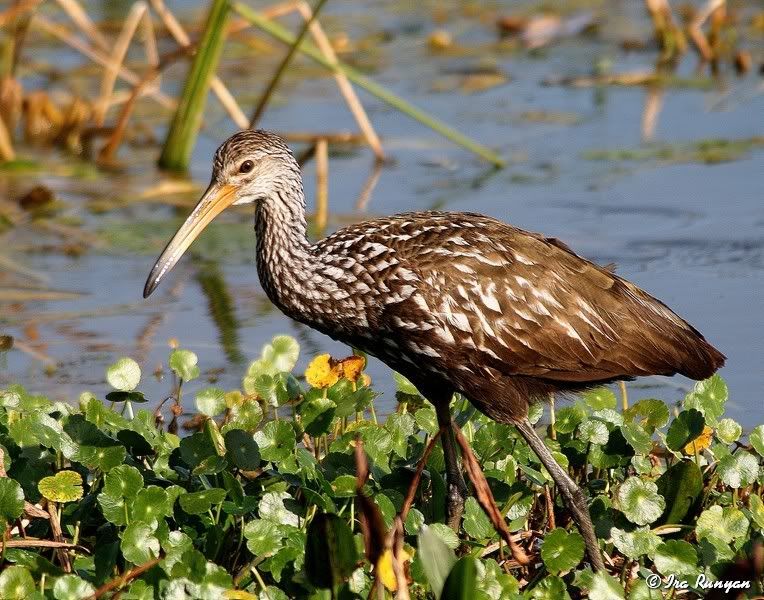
<point>635,544</point>
<point>640,501</point>
<point>317,415</point>
<point>71,587</point>
<point>246,416</point>
<point>64,486</point>
<point>568,418</point>
<point>676,557</point>
<point>210,401</point>
<point>724,525</point>
<point>196,448</point>
<point>276,441</point>
<point>183,363</point>
<point>11,501</point>
<point>738,470</point>
<point>139,544</point>
<point>594,432</point>
<point>16,583</point>
<point>757,439</point>
<point>476,523</point>
<point>549,588</point>
<point>124,375</point>
<point>729,430</point>
<point>709,397</point>
<point>150,505</point>
<point>650,413</point>
<point>196,503</point>
<point>600,398</point>
<point>414,521</point>
<point>124,481</point>
<point>263,537</point>
<point>242,450</point>
<point>687,426</point>
<point>756,506</point>
<point>637,438</point>
<point>561,551</point>
<point>605,587</point>
<point>344,486</point>
<point>282,353</point>
<point>426,420</point>
<point>272,508</point>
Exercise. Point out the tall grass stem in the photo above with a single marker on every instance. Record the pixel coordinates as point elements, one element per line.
<point>176,154</point>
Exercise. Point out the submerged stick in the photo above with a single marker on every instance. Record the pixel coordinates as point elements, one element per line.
<point>370,86</point>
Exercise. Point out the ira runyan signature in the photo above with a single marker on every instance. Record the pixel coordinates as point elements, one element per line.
<point>702,582</point>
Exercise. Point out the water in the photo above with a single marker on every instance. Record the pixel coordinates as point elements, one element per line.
<point>688,233</point>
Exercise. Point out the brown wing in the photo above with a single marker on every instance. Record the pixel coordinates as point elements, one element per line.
<point>488,297</point>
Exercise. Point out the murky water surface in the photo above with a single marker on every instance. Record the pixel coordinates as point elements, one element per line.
<point>688,232</point>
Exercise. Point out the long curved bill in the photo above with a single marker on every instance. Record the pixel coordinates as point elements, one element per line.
<point>216,199</point>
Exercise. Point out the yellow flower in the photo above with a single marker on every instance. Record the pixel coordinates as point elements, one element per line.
<point>385,568</point>
<point>352,367</point>
<point>322,372</point>
<point>700,443</point>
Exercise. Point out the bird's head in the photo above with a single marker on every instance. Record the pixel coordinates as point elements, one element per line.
<point>248,167</point>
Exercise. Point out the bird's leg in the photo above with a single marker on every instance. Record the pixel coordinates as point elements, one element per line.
<point>574,497</point>
<point>456,488</point>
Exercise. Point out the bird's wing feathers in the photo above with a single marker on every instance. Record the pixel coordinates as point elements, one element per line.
<point>492,298</point>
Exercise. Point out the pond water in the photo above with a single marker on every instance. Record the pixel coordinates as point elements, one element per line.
<point>688,232</point>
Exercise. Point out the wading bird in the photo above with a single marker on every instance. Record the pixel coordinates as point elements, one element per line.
<point>456,302</point>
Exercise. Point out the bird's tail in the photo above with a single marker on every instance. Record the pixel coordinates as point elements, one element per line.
<point>677,347</point>
<point>700,359</point>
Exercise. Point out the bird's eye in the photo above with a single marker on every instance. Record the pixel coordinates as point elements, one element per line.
<point>246,166</point>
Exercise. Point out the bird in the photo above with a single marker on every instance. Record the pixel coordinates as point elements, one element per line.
<point>454,301</point>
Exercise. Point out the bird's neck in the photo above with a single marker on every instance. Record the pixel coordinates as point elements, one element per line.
<point>289,270</point>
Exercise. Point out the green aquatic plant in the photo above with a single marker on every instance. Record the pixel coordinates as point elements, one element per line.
<point>708,151</point>
<point>294,487</point>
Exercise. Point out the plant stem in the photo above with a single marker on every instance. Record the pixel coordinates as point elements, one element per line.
<point>176,153</point>
<point>624,396</point>
<point>265,98</point>
<point>370,86</point>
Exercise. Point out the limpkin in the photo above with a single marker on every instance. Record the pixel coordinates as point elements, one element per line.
<point>456,302</point>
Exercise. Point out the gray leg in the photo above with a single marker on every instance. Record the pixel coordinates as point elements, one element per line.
<point>574,497</point>
<point>456,488</point>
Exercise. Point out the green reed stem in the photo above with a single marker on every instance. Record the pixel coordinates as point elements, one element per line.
<point>176,153</point>
<point>265,98</point>
<point>367,84</point>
